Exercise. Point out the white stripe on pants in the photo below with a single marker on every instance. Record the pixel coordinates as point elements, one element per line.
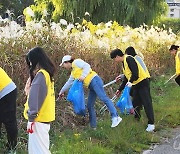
<point>38,142</point>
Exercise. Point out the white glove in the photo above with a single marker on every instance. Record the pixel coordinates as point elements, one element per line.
<point>129,84</point>
<point>30,127</point>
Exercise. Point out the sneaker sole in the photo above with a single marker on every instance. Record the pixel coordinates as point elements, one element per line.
<point>117,123</point>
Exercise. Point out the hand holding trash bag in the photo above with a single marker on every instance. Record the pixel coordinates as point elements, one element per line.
<point>125,103</point>
<point>76,96</point>
<point>129,84</point>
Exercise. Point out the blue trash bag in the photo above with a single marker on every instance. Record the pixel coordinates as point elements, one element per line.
<point>125,103</point>
<point>76,97</point>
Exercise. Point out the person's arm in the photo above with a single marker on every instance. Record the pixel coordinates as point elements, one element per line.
<point>37,95</point>
<point>84,66</point>
<point>67,85</point>
<point>133,68</point>
<point>122,85</point>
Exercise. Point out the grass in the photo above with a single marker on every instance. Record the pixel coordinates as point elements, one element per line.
<point>128,138</point>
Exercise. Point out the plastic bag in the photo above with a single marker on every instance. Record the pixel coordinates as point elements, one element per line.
<point>125,103</point>
<point>76,97</point>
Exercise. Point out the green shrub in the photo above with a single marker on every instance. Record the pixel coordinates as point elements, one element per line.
<point>173,23</point>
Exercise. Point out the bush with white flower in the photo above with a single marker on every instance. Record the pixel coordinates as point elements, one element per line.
<point>85,40</point>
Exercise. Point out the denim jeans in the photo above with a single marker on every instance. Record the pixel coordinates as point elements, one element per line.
<point>96,89</point>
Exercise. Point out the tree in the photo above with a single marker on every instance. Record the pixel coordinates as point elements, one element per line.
<point>131,12</point>
<point>16,7</point>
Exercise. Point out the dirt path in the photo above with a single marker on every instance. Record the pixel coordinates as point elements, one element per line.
<point>169,145</point>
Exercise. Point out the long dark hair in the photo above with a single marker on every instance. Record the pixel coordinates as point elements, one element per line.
<point>131,51</point>
<point>38,56</point>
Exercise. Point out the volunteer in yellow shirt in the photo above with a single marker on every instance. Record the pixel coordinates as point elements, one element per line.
<point>131,51</point>
<point>174,51</point>
<point>136,76</point>
<point>83,72</point>
<point>40,107</point>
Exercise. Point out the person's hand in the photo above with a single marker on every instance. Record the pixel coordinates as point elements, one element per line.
<point>118,92</point>
<point>81,78</point>
<point>27,86</point>
<point>129,84</point>
<point>119,77</point>
<point>60,96</point>
<point>30,127</point>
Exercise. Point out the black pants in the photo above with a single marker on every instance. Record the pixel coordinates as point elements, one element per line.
<point>0,128</point>
<point>142,96</point>
<point>177,79</point>
<point>8,117</point>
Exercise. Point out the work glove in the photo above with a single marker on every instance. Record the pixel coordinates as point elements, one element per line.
<point>30,127</point>
<point>129,84</point>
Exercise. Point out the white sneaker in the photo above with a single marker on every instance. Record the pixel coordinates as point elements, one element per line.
<point>116,121</point>
<point>150,128</point>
